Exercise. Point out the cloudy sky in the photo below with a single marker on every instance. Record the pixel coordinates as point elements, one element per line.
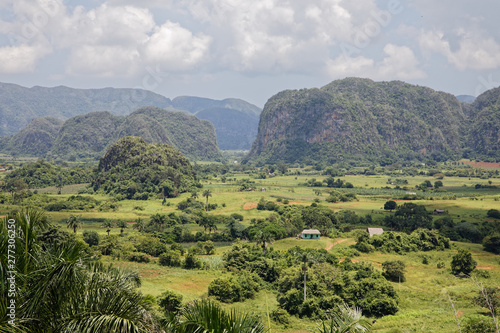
<point>249,49</point>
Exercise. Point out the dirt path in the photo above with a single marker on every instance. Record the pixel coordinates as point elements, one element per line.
<point>329,247</point>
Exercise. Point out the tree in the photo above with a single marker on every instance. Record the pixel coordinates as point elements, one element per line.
<point>82,295</point>
<point>394,270</point>
<point>349,320</point>
<point>74,222</point>
<point>262,239</point>
<point>108,225</point>
<point>91,237</point>
<point>207,194</point>
<point>307,260</point>
<point>122,225</point>
<point>462,262</point>
<point>170,301</point>
<point>492,243</point>
<point>390,205</point>
<point>208,316</point>
<point>139,225</point>
<point>495,213</point>
<point>438,184</point>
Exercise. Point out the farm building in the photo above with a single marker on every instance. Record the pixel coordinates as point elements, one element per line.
<point>310,234</point>
<point>375,231</point>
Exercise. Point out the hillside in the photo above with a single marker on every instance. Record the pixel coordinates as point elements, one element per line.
<point>359,119</point>
<point>235,120</point>
<point>135,169</point>
<point>484,136</point>
<point>87,136</point>
<point>19,105</point>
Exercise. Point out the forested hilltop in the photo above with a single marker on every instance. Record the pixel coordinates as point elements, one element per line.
<point>359,119</point>
<point>19,105</point>
<point>87,136</point>
<point>235,120</point>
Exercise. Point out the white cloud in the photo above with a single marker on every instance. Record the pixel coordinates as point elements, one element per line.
<point>278,35</point>
<point>21,59</point>
<point>399,63</point>
<point>175,48</point>
<point>472,51</point>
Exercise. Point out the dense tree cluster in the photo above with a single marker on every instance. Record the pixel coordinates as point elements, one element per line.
<point>311,282</point>
<point>392,242</point>
<point>134,169</point>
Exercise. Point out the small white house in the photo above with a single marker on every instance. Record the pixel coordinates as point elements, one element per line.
<point>375,231</point>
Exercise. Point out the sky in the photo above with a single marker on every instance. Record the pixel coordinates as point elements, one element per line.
<point>249,49</point>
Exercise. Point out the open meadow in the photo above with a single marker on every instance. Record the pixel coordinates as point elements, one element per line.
<point>430,300</point>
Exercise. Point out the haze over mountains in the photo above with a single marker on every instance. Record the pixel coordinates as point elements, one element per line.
<point>349,119</point>
<point>20,105</point>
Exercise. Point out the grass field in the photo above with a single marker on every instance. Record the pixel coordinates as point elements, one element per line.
<point>425,298</point>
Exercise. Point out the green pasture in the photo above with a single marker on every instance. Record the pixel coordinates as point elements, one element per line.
<point>426,296</point>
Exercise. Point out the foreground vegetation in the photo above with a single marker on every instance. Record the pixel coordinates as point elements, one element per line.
<point>234,243</point>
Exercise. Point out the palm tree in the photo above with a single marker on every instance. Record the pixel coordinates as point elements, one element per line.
<point>139,224</point>
<point>207,194</point>
<point>74,222</point>
<point>107,224</point>
<point>208,316</point>
<point>307,260</point>
<point>122,225</point>
<point>262,239</point>
<point>194,195</point>
<point>62,290</point>
<point>350,320</point>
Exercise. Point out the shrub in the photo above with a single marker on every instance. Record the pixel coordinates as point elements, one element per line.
<point>394,270</point>
<point>478,324</point>
<point>495,213</point>
<point>170,301</point>
<point>139,257</point>
<point>152,246</point>
<point>492,243</point>
<point>280,316</point>
<point>191,262</point>
<point>91,237</point>
<point>170,258</point>
<point>462,262</point>
<point>226,290</point>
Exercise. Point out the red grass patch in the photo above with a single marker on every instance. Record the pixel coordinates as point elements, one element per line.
<point>481,164</point>
<point>486,267</point>
<point>249,205</point>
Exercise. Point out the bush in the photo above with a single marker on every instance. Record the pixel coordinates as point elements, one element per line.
<point>478,324</point>
<point>91,237</point>
<point>280,316</point>
<point>139,257</point>
<point>394,270</point>
<point>152,246</point>
<point>170,258</point>
<point>492,243</point>
<point>226,290</point>
<point>462,263</point>
<point>191,262</point>
<point>170,301</point>
<point>495,213</point>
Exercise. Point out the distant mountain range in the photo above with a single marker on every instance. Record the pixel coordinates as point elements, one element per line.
<point>235,120</point>
<point>88,136</point>
<point>466,98</point>
<point>359,119</point>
